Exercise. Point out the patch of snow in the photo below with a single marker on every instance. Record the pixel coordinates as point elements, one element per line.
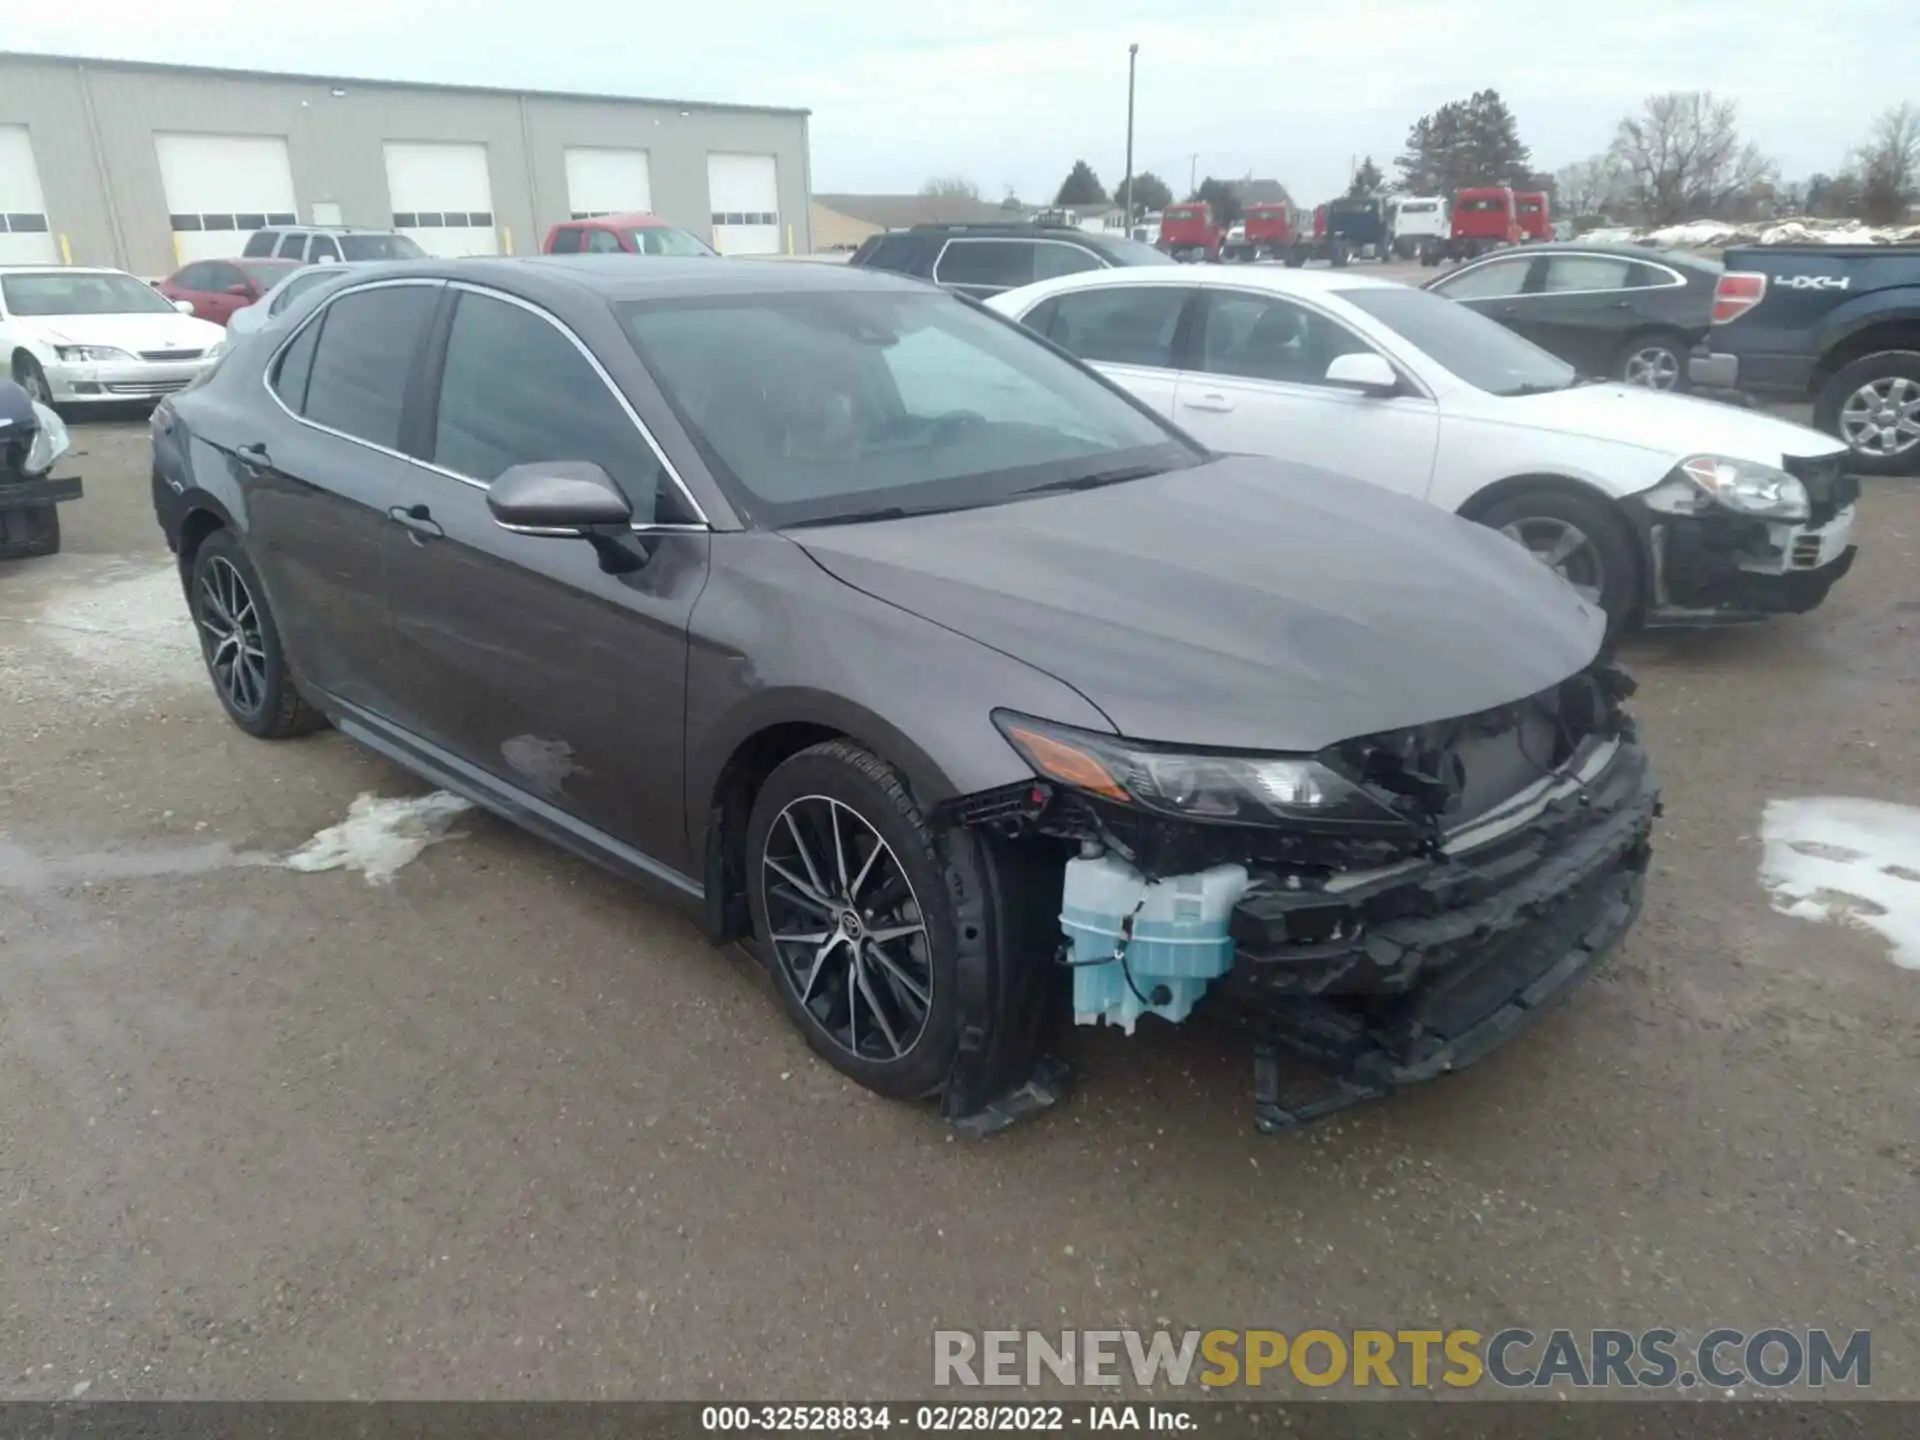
<point>1791,230</point>
<point>379,836</point>
<point>1847,861</point>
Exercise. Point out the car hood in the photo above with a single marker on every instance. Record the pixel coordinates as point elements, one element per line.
<point>1677,425</point>
<point>134,333</point>
<point>1243,603</point>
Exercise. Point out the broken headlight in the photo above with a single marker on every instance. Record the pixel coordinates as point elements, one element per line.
<point>1747,486</point>
<point>1222,788</point>
<point>50,441</point>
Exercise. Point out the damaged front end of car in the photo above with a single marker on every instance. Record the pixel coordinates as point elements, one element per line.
<point>1388,909</point>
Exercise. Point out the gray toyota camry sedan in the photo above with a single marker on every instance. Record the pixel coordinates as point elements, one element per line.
<point>895,643</point>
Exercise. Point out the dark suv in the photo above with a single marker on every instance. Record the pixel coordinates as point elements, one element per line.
<point>983,260</point>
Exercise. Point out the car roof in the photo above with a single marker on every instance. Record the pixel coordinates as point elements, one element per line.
<point>1625,252</point>
<point>625,220</point>
<point>617,277</point>
<point>1280,280</point>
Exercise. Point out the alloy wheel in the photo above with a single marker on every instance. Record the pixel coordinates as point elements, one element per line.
<point>847,929</point>
<point>1654,366</point>
<point>1882,417</point>
<point>230,634</point>
<point>1565,549</point>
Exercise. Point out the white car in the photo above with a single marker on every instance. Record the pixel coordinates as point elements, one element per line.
<point>1660,508</point>
<point>268,309</point>
<point>76,336</point>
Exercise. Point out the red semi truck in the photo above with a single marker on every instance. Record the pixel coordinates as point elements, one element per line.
<point>1533,211</point>
<point>1268,230</point>
<point>1485,217</point>
<point>1189,231</point>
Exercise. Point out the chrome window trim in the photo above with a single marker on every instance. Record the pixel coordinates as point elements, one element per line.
<point>1675,280</point>
<point>701,525</point>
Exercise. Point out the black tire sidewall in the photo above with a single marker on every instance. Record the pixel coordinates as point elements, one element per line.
<point>1849,378</point>
<point>1621,596</point>
<point>32,379</point>
<point>266,722</point>
<point>833,771</point>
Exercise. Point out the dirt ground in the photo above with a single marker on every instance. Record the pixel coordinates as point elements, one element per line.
<point>504,1128</point>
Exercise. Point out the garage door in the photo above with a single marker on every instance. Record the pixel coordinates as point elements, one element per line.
<point>25,236</point>
<point>222,188</point>
<point>443,198</point>
<point>607,182</point>
<point>743,191</point>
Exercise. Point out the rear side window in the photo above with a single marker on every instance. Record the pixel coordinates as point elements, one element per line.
<point>999,263</point>
<point>1054,259</point>
<point>366,350</point>
<point>550,404</point>
<point>293,247</point>
<point>1491,281</point>
<point>1123,325</point>
<point>1586,272</point>
<point>261,242</point>
<point>566,241</point>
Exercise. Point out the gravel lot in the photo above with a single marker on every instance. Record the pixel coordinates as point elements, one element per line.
<point>504,1128</point>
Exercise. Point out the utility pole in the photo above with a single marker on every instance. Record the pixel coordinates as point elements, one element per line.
<point>1193,172</point>
<point>1126,188</point>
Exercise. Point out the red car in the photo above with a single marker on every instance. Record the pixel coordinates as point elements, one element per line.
<point>217,288</point>
<point>635,234</point>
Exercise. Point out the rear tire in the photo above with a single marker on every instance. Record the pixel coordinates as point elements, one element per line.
<point>241,644</point>
<point>841,861</point>
<point>29,530</point>
<point>1606,557</point>
<point>1653,360</point>
<point>1856,399</point>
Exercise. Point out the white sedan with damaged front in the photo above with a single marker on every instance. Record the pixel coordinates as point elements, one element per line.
<point>74,336</point>
<point>1662,509</point>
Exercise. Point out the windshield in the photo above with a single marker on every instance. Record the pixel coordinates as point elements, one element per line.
<point>1123,251</point>
<point>1482,202</point>
<point>1351,207</point>
<point>1486,355</point>
<point>81,294</point>
<point>380,247</point>
<point>1425,207</point>
<point>666,240</point>
<point>855,404</point>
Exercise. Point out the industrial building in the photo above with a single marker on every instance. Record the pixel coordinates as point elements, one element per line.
<point>146,166</point>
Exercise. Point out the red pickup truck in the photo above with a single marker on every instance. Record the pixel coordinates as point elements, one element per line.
<point>1189,231</point>
<point>636,234</point>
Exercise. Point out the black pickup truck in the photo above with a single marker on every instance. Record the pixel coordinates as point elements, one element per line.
<point>1835,324</point>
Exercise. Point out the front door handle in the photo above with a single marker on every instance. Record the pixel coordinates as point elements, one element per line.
<point>418,519</point>
<point>255,456</point>
<point>1219,404</point>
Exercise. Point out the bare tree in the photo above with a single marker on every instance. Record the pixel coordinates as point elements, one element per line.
<point>1585,188</point>
<point>951,187</point>
<point>1890,164</point>
<point>1682,157</point>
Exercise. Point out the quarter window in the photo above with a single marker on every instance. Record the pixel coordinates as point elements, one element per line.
<point>998,264</point>
<point>1261,338</point>
<point>1587,272</point>
<point>549,404</point>
<point>366,352</point>
<point>1491,281</point>
<point>296,364</point>
<point>1641,276</point>
<point>1122,325</point>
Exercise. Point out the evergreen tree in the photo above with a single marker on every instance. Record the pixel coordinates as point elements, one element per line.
<point>1081,187</point>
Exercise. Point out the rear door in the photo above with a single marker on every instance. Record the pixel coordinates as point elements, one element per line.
<point>1497,288</point>
<point>1584,310</point>
<point>1258,387</point>
<point>1135,335</point>
<point>520,656</point>
<point>322,471</point>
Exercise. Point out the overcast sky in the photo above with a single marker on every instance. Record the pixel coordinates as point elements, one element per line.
<point>1010,93</point>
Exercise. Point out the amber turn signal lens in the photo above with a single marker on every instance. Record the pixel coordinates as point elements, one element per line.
<point>1068,764</point>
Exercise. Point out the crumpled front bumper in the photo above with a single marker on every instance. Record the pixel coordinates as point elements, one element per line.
<point>1431,966</point>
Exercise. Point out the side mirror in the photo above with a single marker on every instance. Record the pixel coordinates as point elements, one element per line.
<point>185,307</point>
<point>1365,372</point>
<point>558,497</point>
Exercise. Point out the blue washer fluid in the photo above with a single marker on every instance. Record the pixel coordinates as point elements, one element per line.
<point>1178,938</point>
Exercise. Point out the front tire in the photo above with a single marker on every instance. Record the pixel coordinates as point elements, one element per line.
<point>29,530</point>
<point>1579,537</point>
<point>1874,405</point>
<point>851,906</point>
<point>28,375</point>
<point>241,644</point>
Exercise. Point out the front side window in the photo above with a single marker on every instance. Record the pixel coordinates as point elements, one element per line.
<point>1480,351</point>
<point>261,242</point>
<point>323,251</point>
<point>194,277</point>
<point>865,400</point>
<point>365,355</point>
<point>668,240</point>
<point>566,240</point>
<point>1054,259</point>
<point>1259,337</point>
<point>292,247</point>
<point>550,404</point>
<point>998,264</point>
<point>80,294</point>
<point>1587,272</point>
<point>1122,325</point>
<point>603,242</point>
<point>1492,281</point>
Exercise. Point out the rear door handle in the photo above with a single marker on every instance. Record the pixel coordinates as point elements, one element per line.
<point>418,519</point>
<point>1219,404</point>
